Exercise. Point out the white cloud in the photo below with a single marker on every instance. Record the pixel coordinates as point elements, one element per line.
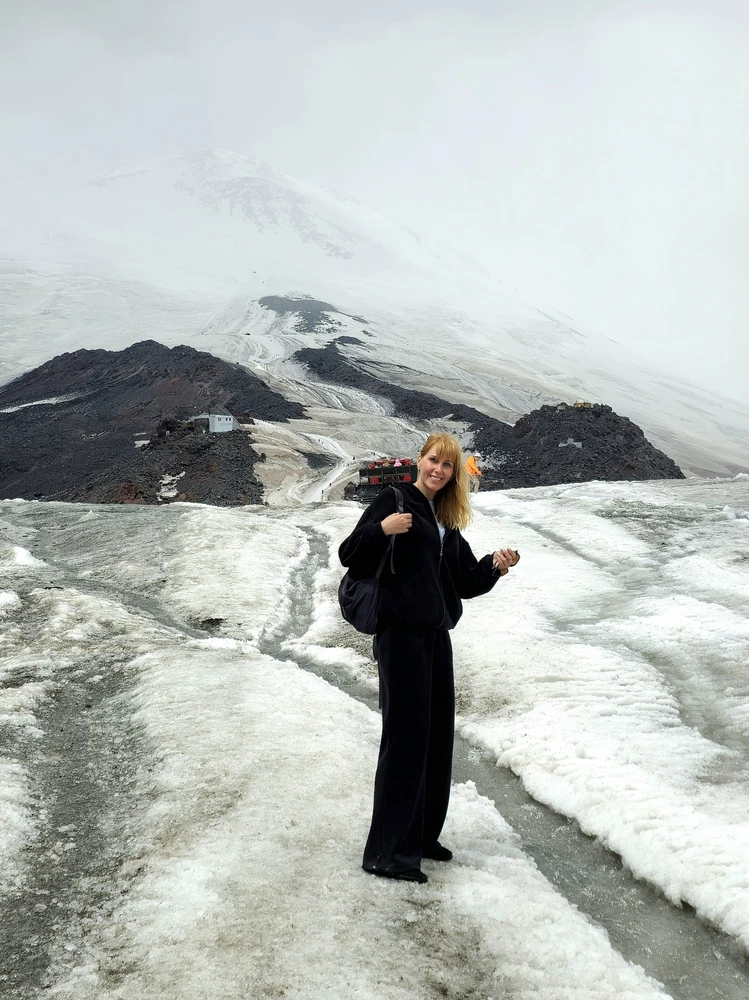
<point>595,156</point>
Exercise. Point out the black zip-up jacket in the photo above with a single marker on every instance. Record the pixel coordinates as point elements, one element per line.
<point>431,577</point>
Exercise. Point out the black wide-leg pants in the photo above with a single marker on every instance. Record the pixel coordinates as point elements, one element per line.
<point>412,784</point>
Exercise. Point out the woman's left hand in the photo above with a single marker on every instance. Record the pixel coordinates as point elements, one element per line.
<point>504,559</point>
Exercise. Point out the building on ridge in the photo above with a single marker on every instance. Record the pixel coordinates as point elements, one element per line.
<point>218,423</point>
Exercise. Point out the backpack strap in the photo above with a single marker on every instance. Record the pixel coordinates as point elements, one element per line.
<point>391,547</point>
<point>399,507</point>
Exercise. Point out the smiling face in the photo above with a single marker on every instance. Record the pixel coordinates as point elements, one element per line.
<point>435,471</point>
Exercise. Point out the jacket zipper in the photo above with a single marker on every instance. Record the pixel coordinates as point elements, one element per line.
<point>439,567</point>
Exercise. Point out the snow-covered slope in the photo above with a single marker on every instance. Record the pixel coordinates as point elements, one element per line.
<point>200,823</point>
<point>182,248</point>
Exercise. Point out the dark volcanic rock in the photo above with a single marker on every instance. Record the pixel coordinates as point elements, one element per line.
<point>319,460</point>
<point>329,364</point>
<point>150,381</point>
<point>554,444</point>
<point>216,469</point>
<point>82,447</point>
<point>564,445</point>
<point>312,314</point>
<point>282,304</point>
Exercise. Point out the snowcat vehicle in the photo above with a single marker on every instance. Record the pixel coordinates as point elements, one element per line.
<point>374,476</point>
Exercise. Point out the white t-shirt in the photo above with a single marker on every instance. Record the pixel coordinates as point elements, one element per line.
<point>440,526</point>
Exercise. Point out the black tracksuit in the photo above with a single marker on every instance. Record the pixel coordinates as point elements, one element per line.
<point>419,603</point>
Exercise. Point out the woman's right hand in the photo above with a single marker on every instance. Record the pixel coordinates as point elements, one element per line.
<point>396,524</point>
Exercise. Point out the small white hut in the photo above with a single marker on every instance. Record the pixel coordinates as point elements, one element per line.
<point>218,422</point>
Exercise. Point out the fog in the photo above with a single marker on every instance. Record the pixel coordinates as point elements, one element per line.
<point>596,157</point>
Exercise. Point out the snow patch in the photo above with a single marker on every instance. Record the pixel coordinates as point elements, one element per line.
<point>42,402</point>
<point>8,599</point>
<point>169,486</point>
<point>22,557</point>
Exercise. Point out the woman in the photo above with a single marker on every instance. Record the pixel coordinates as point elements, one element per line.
<point>434,570</point>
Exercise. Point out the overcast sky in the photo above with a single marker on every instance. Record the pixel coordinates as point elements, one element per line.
<point>593,152</point>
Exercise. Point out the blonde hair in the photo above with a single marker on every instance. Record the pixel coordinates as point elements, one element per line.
<point>451,502</point>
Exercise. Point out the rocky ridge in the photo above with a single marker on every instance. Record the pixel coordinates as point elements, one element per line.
<point>69,428</point>
<point>550,445</point>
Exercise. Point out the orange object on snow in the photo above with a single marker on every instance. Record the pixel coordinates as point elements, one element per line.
<point>471,468</point>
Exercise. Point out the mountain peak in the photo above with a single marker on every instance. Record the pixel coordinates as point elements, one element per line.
<point>226,196</point>
<point>186,245</point>
<point>222,162</point>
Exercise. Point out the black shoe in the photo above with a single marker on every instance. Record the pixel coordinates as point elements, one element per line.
<point>439,853</point>
<point>404,875</point>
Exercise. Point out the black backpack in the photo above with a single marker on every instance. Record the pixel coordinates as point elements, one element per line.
<point>360,599</point>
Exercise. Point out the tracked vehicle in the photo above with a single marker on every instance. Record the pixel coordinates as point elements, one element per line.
<point>376,475</point>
